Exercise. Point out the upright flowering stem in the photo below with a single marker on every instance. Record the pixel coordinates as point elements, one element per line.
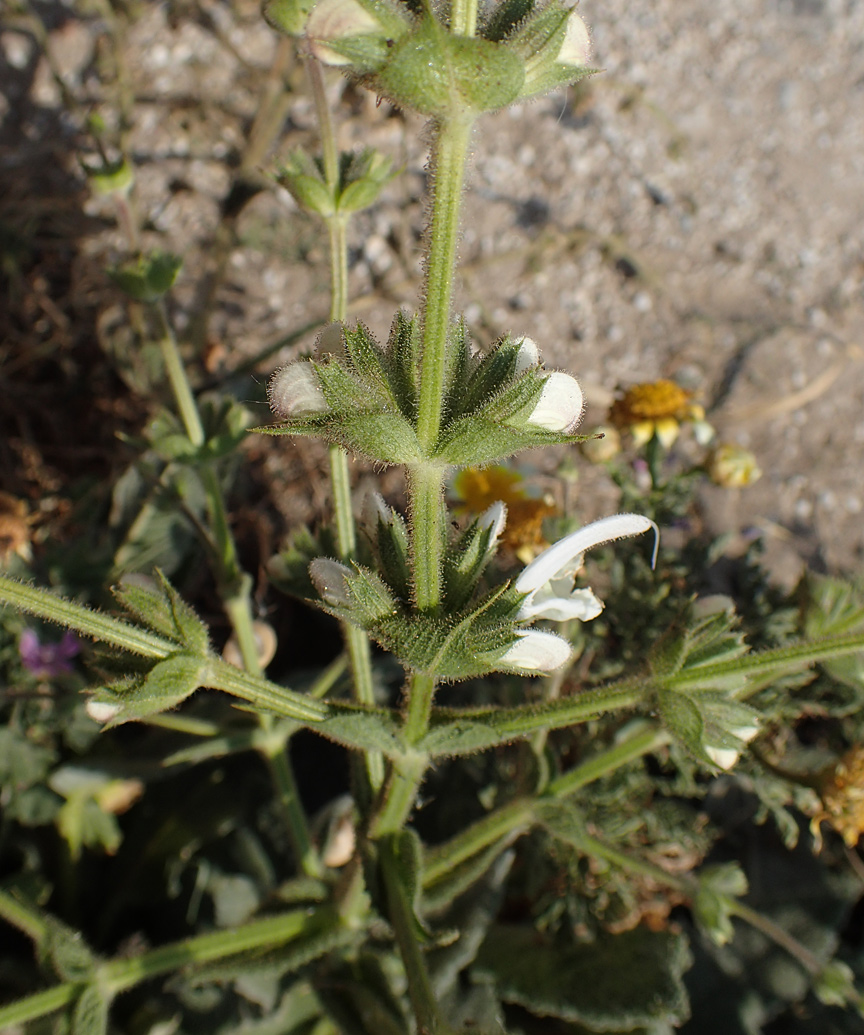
<point>234,585</point>
<point>452,138</point>
<point>340,479</point>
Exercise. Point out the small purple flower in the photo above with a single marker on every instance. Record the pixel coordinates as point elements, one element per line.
<point>47,660</point>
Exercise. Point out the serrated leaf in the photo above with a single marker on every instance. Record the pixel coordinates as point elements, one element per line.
<point>159,606</point>
<point>613,984</point>
<point>90,1016</point>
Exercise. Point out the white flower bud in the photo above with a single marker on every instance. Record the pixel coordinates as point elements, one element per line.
<point>294,391</point>
<point>334,20</point>
<point>102,711</point>
<point>330,579</point>
<point>560,405</point>
<point>528,355</point>
<point>375,510</point>
<point>494,518</point>
<point>725,758</point>
<point>576,46</point>
<point>536,651</point>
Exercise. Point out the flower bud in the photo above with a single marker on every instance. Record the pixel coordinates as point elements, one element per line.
<point>560,405</point>
<point>528,355</point>
<point>724,757</point>
<point>576,48</point>
<point>536,651</point>
<point>733,467</point>
<point>295,391</point>
<point>333,21</point>
<point>330,578</point>
<point>102,711</point>
<point>494,518</point>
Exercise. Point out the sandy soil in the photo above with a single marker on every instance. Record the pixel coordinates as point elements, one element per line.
<point>696,212</point>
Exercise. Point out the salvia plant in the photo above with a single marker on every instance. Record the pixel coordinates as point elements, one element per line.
<point>494,865</point>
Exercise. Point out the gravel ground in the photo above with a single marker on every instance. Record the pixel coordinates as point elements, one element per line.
<point>695,212</point>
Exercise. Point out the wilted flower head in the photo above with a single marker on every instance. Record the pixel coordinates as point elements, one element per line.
<point>47,660</point>
<point>841,789</point>
<point>657,408</point>
<point>548,582</point>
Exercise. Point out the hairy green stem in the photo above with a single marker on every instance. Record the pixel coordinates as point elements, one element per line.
<point>452,138</point>
<point>508,822</point>
<point>398,794</point>
<point>463,17</point>
<point>404,925</point>
<point>234,588</point>
<point>618,755</point>
<point>517,817</point>
<point>425,488</point>
<point>120,974</point>
<point>176,372</point>
<point>359,651</point>
<point>22,917</point>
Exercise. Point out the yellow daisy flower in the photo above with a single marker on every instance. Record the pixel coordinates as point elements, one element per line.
<point>841,789</point>
<point>657,408</point>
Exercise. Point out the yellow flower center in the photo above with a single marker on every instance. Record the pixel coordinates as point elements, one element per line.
<point>651,401</point>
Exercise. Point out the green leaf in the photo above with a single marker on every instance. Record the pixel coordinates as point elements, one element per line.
<point>22,762</point>
<point>149,277</point>
<point>158,605</point>
<point>67,951</point>
<point>165,686</point>
<point>682,717</point>
<point>614,984</point>
<point>90,1016</point>
<point>363,730</point>
<point>358,996</point>
<point>713,903</point>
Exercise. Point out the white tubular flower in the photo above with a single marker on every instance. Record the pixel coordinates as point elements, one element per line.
<point>559,407</point>
<point>334,20</point>
<point>528,355</point>
<point>536,651</point>
<point>725,758</point>
<point>548,580</point>
<point>330,579</point>
<point>294,390</point>
<point>576,46</point>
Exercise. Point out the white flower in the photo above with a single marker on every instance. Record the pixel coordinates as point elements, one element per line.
<point>547,578</point>
<point>294,390</point>
<point>548,581</point>
<point>559,407</point>
<point>576,46</point>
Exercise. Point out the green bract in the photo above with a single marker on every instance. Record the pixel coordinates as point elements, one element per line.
<point>366,400</point>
